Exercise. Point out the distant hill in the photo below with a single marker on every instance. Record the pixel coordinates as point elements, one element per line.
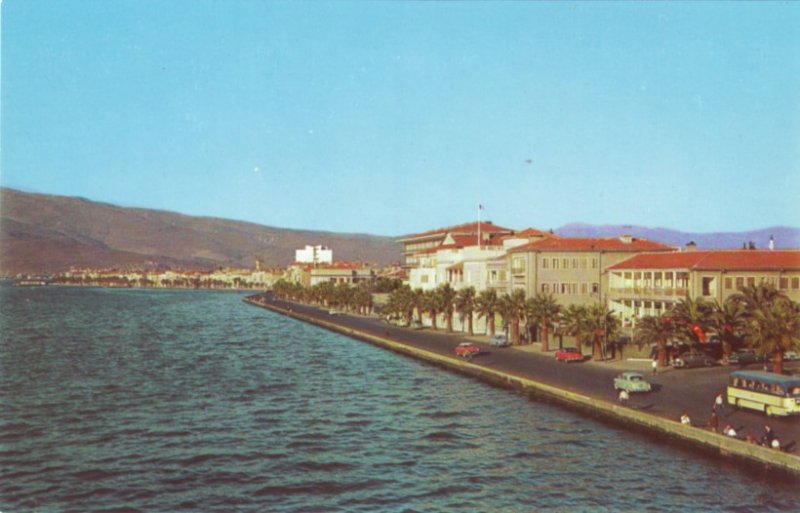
<point>45,234</point>
<point>784,237</point>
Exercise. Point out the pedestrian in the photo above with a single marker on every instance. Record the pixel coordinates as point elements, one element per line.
<point>713,421</point>
<point>767,437</point>
<point>654,364</point>
<point>776,444</point>
<point>718,402</point>
<point>623,397</point>
<point>685,420</point>
<point>729,431</point>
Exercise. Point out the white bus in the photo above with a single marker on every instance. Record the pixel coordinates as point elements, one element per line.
<point>772,394</point>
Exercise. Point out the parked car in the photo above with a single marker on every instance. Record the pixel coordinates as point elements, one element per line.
<point>632,382</point>
<point>693,359</point>
<point>745,356</point>
<point>791,356</point>
<point>569,354</point>
<point>334,312</point>
<point>467,350</point>
<point>499,340</point>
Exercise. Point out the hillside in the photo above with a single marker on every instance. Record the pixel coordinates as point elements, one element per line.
<point>45,234</point>
<point>784,237</point>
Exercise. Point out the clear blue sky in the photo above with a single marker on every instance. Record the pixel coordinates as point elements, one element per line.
<point>396,117</point>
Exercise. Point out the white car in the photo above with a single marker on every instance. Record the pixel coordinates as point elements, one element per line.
<point>791,356</point>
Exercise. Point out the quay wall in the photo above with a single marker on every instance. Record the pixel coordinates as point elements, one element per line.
<point>713,442</point>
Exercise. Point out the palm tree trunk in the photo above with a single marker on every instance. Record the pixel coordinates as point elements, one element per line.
<point>515,331</point>
<point>777,362</point>
<point>490,321</point>
<point>433,319</point>
<point>469,323</point>
<point>662,354</point>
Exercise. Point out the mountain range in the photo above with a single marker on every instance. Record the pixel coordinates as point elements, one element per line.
<point>42,233</point>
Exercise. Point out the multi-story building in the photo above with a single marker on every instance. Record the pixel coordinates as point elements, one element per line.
<point>417,246</point>
<point>650,283</point>
<point>314,255</point>
<point>571,269</point>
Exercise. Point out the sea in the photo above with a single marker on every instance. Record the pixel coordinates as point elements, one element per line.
<point>126,400</point>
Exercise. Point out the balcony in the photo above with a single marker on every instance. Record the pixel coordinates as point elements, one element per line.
<point>648,292</point>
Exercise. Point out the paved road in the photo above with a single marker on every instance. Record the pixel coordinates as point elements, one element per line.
<point>675,391</point>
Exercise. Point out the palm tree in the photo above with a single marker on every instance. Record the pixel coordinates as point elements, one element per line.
<point>691,319</point>
<point>513,308</point>
<point>448,299</point>
<point>545,311</point>
<point>602,324</point>
<point>774,329</point>
<point>465,304</point>
<point>658,329</point>
<point>417,299</point>
<point>574,319</point>
<point>486,306</point>
<point>432,304</point>
<point>727,319</point>
<point>772,324</point>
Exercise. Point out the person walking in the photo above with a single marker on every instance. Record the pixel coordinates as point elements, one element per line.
<point>623,397</point>
<point>767,437</point>
<point>685,420</point>
<point>718,403</point>
<point>654,365</point>
<point>713,421</point>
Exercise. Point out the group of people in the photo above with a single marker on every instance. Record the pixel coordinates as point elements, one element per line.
<point>768,439</point>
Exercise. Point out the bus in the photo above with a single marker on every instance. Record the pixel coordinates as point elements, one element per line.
<point>773,394</point>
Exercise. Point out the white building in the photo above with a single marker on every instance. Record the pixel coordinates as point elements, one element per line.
<point>314,255</point>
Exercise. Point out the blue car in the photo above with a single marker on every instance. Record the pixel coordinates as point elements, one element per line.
<point>499,341</point>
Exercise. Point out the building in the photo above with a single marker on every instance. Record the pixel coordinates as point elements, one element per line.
<point>650,283</point>
<point>416,246</point>
<point>314,255</point>
<point>461,261</point>
<point>572,270</point>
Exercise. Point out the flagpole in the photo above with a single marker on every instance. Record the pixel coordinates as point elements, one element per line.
<point>480,207</point>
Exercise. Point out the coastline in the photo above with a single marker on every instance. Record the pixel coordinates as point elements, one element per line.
<point>577,400</point>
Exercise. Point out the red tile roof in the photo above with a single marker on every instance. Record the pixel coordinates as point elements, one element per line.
<point>613,244</point>
<point>466,228</point>
<point>730,260</point>
<point>533,232</point>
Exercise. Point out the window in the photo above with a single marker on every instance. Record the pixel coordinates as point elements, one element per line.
<point>555,263</point>
<point>493,276</point>
<point>594,263</point>
<point>555,288</point>
<point>739,283</point>
<point>565,263</point>
<point>784,283</point>
<point>584,288</point>
<point>544,263</point>
<point>518,264</point>
<point>751,281</point>
<point>574,263</point>
<point>728,283</point>
<point>546,288</point>
<point>595,288</point>
<point>795,283</point>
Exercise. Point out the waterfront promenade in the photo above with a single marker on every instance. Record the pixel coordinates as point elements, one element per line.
<point>584,386</point>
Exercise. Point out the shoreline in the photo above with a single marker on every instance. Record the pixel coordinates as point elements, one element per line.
<point>621,415</point>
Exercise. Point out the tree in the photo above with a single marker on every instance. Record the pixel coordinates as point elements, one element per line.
<point>486,306</point>
<point>545,310</point>
<point>513,308</point>
<point>727,319</point>
<point>465,305</point>
<point>771,321</point>
<point>574,319</point>
<point>775,329</point>
<point>656,329</point>
<point>432,304</point>
<point>447,300</point>
<point>602,324</point>
<point>691,319</point>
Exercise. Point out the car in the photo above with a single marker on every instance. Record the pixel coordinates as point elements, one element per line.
<point>632,382</point>
<point>693,359</point>
<point>745,356</point>
<point>791,356</point>
<point>467,350</point>
<point>569,354</point>
<point>334,312</point>
<point>499,340</point>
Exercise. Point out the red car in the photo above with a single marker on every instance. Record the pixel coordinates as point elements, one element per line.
<point>569,354</point>
<point>467,350</point>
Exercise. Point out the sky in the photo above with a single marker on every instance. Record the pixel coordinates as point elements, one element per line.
<point>393,118</point>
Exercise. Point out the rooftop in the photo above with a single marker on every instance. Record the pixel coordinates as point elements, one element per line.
<point>607,244</point>
<point>716,260</point>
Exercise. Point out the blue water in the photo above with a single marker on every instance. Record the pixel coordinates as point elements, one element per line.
<point>151,401</point>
